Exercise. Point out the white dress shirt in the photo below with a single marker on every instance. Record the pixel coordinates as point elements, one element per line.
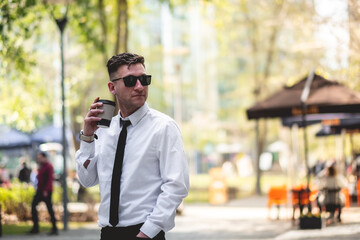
<point>154,178</point>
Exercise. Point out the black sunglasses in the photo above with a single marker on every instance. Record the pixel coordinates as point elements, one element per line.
<point>130,81</point>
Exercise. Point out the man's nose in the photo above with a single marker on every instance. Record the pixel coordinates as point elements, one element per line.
<point>138,84</point>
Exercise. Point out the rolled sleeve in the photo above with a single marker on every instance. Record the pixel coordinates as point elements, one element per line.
<point>87,176</point>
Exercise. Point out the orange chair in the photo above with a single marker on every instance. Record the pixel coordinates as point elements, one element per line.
<point>218,190</point>
<point>277,195</point>
<point>302,198</point>
<point>299,195</point>
<point>345,191</point>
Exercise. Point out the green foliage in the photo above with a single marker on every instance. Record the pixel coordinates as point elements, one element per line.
<point>21,88</point>
<point>19,20</point>
<point>18,198</point>
<point>86,28</point>
<point>18,194</point>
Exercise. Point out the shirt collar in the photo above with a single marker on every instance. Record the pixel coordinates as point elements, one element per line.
<point>137,115</point>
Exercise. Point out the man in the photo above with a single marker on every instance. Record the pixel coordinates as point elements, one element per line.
<point>44,190</point>
<point>24,173</point>
<point>154,172</point>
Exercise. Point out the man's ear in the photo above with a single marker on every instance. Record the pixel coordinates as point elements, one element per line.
<point>111,87</point>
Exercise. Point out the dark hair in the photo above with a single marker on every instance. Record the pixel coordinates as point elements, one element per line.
<point>123,59</point>
<point>332,171</point>
<point>44,154</point>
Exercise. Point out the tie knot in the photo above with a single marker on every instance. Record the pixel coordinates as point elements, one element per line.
<point>125,123</point>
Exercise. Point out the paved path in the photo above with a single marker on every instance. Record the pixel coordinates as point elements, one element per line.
<point>237,220</point>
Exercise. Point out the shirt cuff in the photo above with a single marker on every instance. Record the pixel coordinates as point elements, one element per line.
<point>87,152</point>
<point>150,229</point>
<point>87,147</point>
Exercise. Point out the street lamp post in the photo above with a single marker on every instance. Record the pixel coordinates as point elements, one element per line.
<point>53,5</point>
<point>61,23</point>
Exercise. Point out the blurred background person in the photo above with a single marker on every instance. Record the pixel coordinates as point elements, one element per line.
<point>4,176</point>
<point>329,198</point>
<point>24,173</point>
<point>33,177</point>
<point>44,190</point>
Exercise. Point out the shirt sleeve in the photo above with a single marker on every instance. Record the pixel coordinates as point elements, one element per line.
<point>175,177</point>
<point>50,178</point>
<point>88,177</point>
<point>342,181</point>
<point>41,180</point>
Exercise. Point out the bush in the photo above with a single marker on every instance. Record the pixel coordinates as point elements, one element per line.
<point>17,200</point>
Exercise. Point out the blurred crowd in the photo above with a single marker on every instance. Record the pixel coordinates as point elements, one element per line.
<point>24,175</point>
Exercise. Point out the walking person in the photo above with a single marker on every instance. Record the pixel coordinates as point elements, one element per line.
<point>44,190</point>
<point>139,161</point>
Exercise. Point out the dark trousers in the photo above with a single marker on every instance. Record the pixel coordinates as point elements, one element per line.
<point>125,233</point>
<point>36,200</point>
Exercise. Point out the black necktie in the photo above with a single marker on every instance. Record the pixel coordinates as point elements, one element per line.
<point>116,175</point>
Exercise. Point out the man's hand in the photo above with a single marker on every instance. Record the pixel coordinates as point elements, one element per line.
<point>141,235</point>
<point>91,119</point>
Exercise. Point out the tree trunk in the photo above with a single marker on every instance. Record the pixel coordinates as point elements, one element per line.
<point>261,84</point>
<point>121,31</point>
<point>103,24</point>
<point>122,27</point>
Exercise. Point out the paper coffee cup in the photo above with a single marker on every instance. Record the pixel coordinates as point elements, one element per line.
<point>106,116</point>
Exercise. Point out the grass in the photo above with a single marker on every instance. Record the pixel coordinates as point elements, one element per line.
<point>244,186</point>
<point>23,228</point>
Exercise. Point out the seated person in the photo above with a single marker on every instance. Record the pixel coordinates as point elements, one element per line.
<point>330,197</point>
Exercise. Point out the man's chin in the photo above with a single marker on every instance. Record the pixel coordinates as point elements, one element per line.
<point>139,101</point>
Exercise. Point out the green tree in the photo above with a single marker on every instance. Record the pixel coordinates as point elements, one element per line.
<point>26,98</point>
<point>96,29</point>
